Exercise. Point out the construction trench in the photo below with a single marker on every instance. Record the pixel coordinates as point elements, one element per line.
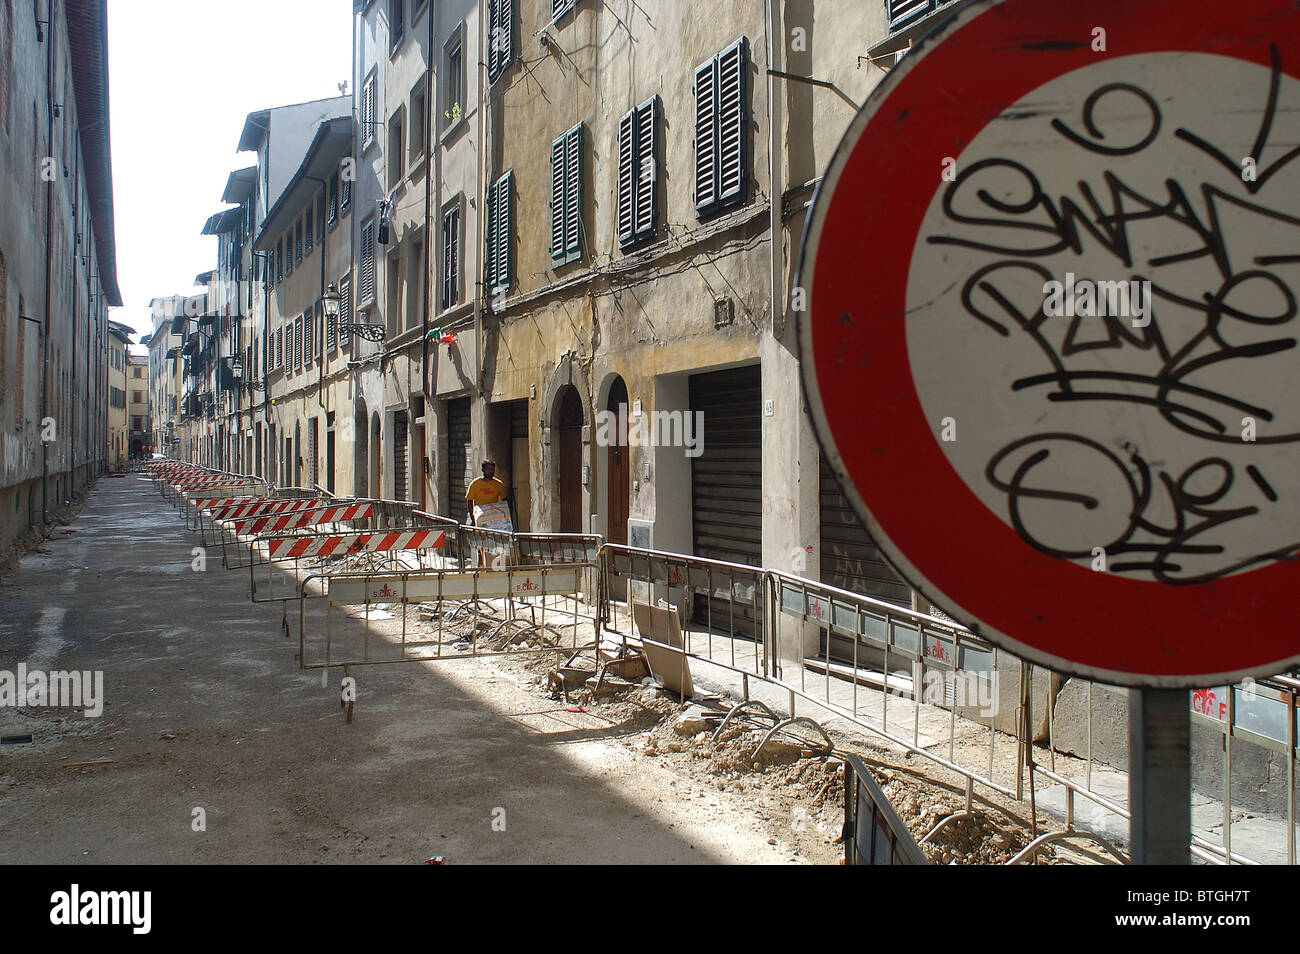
<point>718,721</point>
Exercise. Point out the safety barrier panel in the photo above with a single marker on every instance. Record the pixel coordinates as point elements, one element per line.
<point>873,832</point>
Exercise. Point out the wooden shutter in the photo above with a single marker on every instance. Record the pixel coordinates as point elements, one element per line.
<point>721,105</point>
<point>501,28</point>
<point>500,223</point>
<point>450,256</point>
<point>308,338</point>
<point>331,333</point>
<point>706,150</point>
<point>297,342</point>
<point>367,289</point>
<point>647,169</point>
<point>637,173</point>
<point>573,194</point>
<point>557,199</point>
<point>566,197</point>
<point>345,312</point>
<point>627,190</point>
<point>731,123</point>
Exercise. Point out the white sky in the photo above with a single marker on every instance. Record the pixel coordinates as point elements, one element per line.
<point>183,74</point>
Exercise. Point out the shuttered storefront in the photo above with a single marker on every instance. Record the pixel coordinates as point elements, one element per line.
<point>849,558</point>
<point>458,462</point>
<point>401,430</point>
<point>727,478</point>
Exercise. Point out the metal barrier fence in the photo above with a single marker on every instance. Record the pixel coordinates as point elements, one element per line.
<point>756,623</point>
<point>928,711</point>
<point>873,832</point>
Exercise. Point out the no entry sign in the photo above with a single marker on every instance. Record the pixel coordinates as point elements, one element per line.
<point>1051,341</point>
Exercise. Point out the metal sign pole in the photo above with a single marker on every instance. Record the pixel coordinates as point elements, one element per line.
<point>1160,780</point>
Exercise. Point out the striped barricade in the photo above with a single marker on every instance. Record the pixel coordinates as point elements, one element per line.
<point>284,547</point>
<point>302,518</point>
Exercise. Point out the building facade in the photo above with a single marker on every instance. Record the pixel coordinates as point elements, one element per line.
<point>572,232</point>
<point>119,352</point>
<point>57,260</point>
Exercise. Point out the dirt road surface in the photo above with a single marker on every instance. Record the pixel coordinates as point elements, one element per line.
<point>206,709</point>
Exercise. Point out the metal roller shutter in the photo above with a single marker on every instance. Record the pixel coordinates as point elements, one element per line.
<point>850,560</point>
<point>459,471</point>
<point>727,479</point>
<point>400,469</point>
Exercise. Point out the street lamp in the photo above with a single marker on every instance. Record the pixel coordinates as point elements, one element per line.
<point>331,305</point>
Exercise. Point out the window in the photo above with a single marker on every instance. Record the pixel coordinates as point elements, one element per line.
<point>453,81</point>
<point>419,113</point>
<point>297,243</point>
<point>415,270</point>
<point>138,373</point>
<point>560,7</point>
<point>288,252</point>
<point>637,173</point>
<point>333,214</point>
<point>345,195</point>
<point>320,216</point>
<point>345,312</point>
<point>331,334</point>
<point>500,222</point>
<point>720,113</point>
<point>396,22</point>
<point>137,397</point>
<point>369,114</point>
<point>501,32</point>
<point>366,275</point>
<point>308,338</point>
<point>137,423</point>
<point>394,288</point>
<point>279,349</point>
<point>279,261</point>
<point>311,230</point>
<point>393,157</point>
<point>451,256</point>
<point>566,197</point>
<point>297,342</point>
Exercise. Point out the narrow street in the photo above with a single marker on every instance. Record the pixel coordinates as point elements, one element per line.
<point>206,708</point>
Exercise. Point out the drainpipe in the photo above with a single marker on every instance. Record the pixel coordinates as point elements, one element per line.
<point>320,344</point>
<point>49,257</point>
<point>431,162</point>
<point>479,190</point>
<point>776,184</point>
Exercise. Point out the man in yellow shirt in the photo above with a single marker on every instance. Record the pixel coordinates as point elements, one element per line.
<point>487,489</point>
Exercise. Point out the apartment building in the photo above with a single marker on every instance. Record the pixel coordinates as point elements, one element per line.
<point>164,374</point>
<point>139,429</point>
<point>307,236</point>
<point>572,231</point>
<point>57,263</point>
<point>119,353</point>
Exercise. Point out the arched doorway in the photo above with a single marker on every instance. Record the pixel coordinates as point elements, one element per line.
<point>619,466</point>
<point>568,424</point>
<point>360,450</point>
<point>376,456</point>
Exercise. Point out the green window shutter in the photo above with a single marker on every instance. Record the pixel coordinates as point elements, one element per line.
<point>706,150</point>
<point>557,200</point>
<point>566,197</point>
<point>626,177</point>
<point>573,194</point>
<point>732,76</point>
<point>498,272</point>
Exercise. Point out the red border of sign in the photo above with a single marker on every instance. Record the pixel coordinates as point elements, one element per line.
<point>884,174</point>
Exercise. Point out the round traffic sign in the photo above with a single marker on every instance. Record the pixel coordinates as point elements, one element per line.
<point>1050,337</point>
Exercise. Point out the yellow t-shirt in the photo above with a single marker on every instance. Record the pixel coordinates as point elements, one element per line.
<point>486,491</point>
